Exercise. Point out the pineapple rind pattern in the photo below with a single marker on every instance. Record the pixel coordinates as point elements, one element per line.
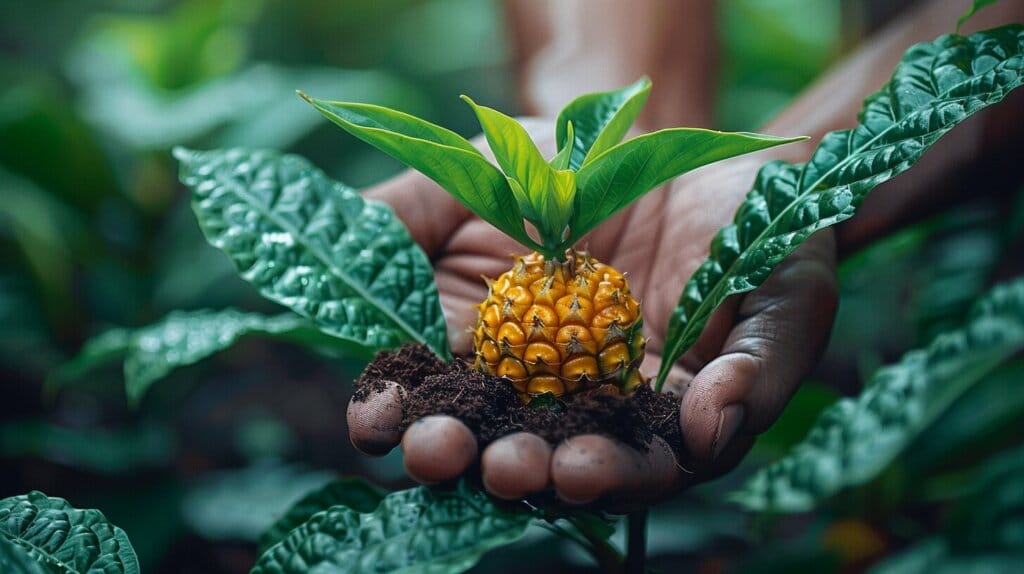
<point>560,328</point>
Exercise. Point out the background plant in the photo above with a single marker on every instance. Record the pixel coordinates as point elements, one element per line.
<point>88,443</point>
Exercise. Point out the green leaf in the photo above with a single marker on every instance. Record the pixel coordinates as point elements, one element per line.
<point>439,154</point>
<point>524,202</point>
<point>101,349</point>
<point>935,87</point>
<point>600,120</point>
<point>354,493</point>
<point>561,159</point>
<point>417,530</point>
<point>513,148</point>
<point>977,423</point>
<point>557,207</point>
<point>16,560</point>
<point>180,339</point>
<point>523,163</point>
<point>625,172</point>
<point>316,247</point>
<point>63,539</point>
<point>975,6</point>
<point>856,439</point>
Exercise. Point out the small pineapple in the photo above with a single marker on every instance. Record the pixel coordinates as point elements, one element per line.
<point>560,327</point>
<point>559,321</point>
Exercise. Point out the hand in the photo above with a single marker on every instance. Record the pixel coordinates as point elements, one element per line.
<point>734,382</point>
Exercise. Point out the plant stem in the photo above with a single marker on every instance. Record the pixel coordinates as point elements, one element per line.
<point>636,542</point>
<point>609,559</point>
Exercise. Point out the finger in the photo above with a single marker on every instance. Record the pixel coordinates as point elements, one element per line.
<point>516,466</point>
<point>590,467</point>
<point>783,327</point>
<point>430,213</point>
<point>375,419</point>
<point>437,449</point>
<point>661,475</point>
<point>732,454</point>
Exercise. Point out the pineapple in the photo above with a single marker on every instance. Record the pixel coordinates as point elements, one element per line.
<point>560,328</point>
<point>559,321</point>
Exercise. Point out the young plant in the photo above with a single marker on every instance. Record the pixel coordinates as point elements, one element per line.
<point>558,321</point>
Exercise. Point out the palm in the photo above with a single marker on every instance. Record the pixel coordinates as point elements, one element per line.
<point>750,356</point>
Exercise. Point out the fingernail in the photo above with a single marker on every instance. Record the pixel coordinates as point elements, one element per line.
<point>729,422</point>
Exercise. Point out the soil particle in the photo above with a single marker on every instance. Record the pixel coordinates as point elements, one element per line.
<point>492,409</point>
<point>407,367</point>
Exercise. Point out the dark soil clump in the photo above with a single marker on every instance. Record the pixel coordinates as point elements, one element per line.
<point>492,409</point>
<point>407,367</point>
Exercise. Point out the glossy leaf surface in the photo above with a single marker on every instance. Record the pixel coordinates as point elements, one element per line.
<point>316,246</point>
<point>16,560</point>
<point>354,493</point>
<point>62,539</point>
<point>936,86</point>
<point>624,173</point>
<point>417,530</point>
<point>855,439</point>
<point>437,153</point>
<point>599,120</point>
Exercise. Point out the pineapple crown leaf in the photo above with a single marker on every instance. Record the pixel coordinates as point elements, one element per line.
<point>561,159</point>
<point>590,178</point>
<point>600,120</point>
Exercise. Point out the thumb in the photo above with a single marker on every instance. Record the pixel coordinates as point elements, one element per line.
<point>779,332</point>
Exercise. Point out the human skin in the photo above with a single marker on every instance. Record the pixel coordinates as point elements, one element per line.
<point>757,347</point>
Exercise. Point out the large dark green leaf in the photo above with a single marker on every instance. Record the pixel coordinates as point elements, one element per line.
<point>855,439</point>
<point>438,153</point>
<point>180,339</point>
<point>15,559</point>
<point>935,87</point>
<point>354,493</point>
<point>316,246</point>
<point>622,174</point>
<point>63,539</point>
<point>417,530</point>
<point>599,120</point>
<point>981,421</point>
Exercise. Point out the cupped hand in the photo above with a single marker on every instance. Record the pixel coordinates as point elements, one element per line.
<point>733,383</point>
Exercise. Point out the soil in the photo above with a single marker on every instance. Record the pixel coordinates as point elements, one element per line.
<point>490,407</point>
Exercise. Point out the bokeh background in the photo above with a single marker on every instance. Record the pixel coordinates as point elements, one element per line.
<point>95,232</point>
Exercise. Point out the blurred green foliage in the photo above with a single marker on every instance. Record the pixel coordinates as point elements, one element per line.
<point>95,233</point>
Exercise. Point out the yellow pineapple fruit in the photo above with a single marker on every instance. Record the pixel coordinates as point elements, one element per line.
<point>560,327</point>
